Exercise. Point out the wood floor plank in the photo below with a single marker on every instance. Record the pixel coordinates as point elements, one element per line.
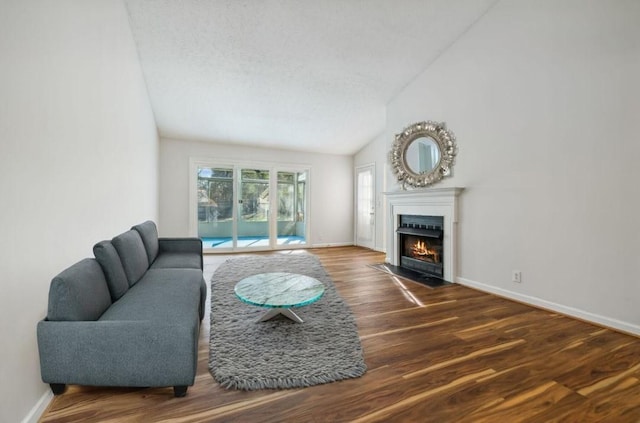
<point>433,355</point>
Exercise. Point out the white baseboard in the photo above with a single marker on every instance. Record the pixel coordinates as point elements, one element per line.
<point>332,244</point>
<point>619,325</point>
<point>36,412</point>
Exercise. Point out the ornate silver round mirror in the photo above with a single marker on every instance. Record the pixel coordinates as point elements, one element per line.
<point>422,154</point>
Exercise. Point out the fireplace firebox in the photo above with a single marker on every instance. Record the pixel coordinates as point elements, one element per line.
<point>420,244</point>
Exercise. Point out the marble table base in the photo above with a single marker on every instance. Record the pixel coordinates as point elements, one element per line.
<point>287,312</point>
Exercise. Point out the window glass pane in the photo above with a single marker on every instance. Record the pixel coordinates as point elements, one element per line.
<point>215,205</point>
<point>291,208</point>
<point>257,175</point>
<point>255,195</point>
<point>301,191</point>
<point>286,177</point>
<point>285,201</point>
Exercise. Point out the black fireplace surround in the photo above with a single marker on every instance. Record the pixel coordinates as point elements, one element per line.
<point>420,244</point>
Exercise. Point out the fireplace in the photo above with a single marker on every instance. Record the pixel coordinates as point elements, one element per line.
<point>437,258</point>
<point>421,244</point>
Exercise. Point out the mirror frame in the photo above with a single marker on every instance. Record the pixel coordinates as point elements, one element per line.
<point>446,142</point>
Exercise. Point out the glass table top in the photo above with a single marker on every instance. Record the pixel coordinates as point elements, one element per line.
<point>279,290</point>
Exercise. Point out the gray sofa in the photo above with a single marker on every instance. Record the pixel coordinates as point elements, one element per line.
<point>128,317</point>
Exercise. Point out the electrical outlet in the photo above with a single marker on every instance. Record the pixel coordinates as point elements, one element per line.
<point>516,276</point>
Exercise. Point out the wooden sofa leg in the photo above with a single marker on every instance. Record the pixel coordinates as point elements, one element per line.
<point>58,388</point>
<point>179,391</point>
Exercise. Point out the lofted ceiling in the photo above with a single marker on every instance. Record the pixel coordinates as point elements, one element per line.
<point>308,75</point>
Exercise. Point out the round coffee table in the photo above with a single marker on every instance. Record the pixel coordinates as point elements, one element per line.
<point>279,292</point>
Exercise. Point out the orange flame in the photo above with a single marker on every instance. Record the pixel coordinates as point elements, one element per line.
<point>423,250</point>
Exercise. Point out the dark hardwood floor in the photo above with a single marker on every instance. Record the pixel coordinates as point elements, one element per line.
<point>450,354</point>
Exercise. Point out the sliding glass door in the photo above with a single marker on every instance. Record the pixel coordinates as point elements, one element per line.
<point>215,200</point>
<point>292,219</point>
<point>240,208</point>
<point>254,205</point>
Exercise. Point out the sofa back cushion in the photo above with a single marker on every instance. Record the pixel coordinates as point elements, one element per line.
<point>79,293</point>
<point>132,255</point>
<point>149,234</point>
<point>109,260</point>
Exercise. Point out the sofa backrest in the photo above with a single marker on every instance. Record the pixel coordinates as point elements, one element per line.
<point>111,264</point>
<point>132,254</point>
<point>79,293</point>
<point>149,234</point>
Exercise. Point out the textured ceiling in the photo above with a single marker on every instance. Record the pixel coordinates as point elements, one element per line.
<point>310,75</point>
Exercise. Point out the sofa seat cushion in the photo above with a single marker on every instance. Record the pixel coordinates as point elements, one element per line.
<point>79,293</point>
<point>177,260</point>
<point>166,295</point>
<point>133,255</point>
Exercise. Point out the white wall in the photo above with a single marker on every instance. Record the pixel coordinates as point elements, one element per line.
<point>544,98</point>
<point>78,163</point>
<point>331,211</point>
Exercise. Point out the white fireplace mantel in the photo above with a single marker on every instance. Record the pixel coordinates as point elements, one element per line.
<point>428,202</point>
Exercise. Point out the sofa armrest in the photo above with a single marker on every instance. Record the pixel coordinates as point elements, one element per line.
<point>118,353</point>
<point>181,245</point>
